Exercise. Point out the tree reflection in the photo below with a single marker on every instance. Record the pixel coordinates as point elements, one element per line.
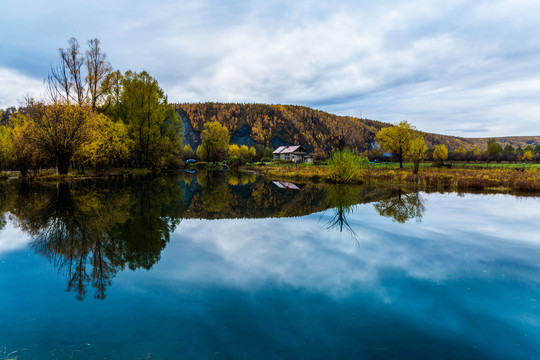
<point>342,198</point>
<point>401,205</point>
<point>91,232</point>
<point>215,192</point>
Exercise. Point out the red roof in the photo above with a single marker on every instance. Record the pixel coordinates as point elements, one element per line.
<point>286,149</point>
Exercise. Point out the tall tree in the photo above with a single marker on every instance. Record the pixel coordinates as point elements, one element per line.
<point>397,139</point>
<point>98,69</point>
<point>66,81</point>
<point>154,126</point>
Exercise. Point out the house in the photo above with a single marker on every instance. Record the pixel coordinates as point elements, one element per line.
<point>295,153</point>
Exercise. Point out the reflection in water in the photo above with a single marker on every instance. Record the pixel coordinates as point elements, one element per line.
<point>340,198</point>
<point>401,205</point>
<point>91,230</point>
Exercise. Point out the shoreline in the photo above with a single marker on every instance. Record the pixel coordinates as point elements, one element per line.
<point>496,180</point>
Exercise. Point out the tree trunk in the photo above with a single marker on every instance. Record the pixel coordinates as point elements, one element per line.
<point>62,161</point>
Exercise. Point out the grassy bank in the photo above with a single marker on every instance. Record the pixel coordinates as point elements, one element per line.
<point>501,179</point>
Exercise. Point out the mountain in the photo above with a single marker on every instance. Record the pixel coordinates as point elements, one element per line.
<point>276,125</point>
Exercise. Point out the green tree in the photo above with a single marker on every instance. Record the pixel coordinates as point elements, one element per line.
<point>215,142</point>
<point>494,149</point>
<point>417,152</point>
<point>440,153</point>
<point>153,125</point>
<point>508,149</point>
<point>397,139</point>
<point>345,167</point>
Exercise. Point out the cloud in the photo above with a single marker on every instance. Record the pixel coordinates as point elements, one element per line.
<point>448,67</point>
<point>16,85</point>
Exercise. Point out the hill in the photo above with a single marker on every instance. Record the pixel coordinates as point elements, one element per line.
<point>276,125</point>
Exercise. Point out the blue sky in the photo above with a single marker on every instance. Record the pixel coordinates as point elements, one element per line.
<point>466,68</point>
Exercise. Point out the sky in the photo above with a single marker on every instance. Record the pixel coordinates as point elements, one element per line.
<point>464,68</point>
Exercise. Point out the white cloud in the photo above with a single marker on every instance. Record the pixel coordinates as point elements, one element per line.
<point>16,85</point>
<point>448,67</point>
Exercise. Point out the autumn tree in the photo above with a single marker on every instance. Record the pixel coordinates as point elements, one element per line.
<point>527,156</point>
<point>215,142</point>
<point>397,139</point>
<point>234,150</point>
<point>107,143</point>
<point>440,153</point>
<point>417,152</point>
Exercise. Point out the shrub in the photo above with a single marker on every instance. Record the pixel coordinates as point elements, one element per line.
<point>345,167</point>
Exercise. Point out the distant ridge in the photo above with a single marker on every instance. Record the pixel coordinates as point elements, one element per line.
<point>275,125</point>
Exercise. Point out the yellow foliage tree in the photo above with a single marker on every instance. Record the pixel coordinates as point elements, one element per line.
<point>234,150</point>
<point>417,152</point>
<point>440,153</point>
<point>397,139</point>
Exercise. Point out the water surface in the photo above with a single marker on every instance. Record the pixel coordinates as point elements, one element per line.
<point>233,268</point>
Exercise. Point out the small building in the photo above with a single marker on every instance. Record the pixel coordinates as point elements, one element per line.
<point>295,153</point>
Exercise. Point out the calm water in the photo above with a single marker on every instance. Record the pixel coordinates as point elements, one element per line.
<point>239,268</point>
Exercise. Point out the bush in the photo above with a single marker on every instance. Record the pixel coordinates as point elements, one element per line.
<point>201,165</point>
<point>345,167</point>
<point>266,159</point>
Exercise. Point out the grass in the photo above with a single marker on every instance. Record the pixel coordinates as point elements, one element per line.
<point>495,179</point>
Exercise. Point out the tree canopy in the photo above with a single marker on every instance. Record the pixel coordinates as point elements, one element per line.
<point>215,142</point>
<point>397,139</point>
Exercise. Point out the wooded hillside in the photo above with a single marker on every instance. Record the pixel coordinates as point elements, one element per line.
<point>275,125</point>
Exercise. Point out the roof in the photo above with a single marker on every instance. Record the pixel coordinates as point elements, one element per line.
<point>288,149</point>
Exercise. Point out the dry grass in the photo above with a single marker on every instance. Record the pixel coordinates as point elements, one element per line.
<point>498,179</point>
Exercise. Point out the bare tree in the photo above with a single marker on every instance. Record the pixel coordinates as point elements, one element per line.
<point>98,70</point>
<point>65,81</point>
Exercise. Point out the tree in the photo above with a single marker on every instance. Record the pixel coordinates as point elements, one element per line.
<point>108,143</point>
<point>234,150</point>
<point>65,82</point>
<point>215,142</point>
<point>527,156</point>
<point>153,125</point>
<point>397,139</point>
<point>494,149</point>
<point>98,69</point>
<point>60,131</point>
<point>440,153</point>
<point>417,152</point>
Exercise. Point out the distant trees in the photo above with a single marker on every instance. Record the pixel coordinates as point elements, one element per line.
<point>215,142</point>
<point>494,149</point>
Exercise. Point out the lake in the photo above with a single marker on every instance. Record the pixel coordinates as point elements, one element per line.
<point>215,266</point>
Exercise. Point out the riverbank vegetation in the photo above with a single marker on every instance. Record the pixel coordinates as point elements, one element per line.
<point>94,117</point>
